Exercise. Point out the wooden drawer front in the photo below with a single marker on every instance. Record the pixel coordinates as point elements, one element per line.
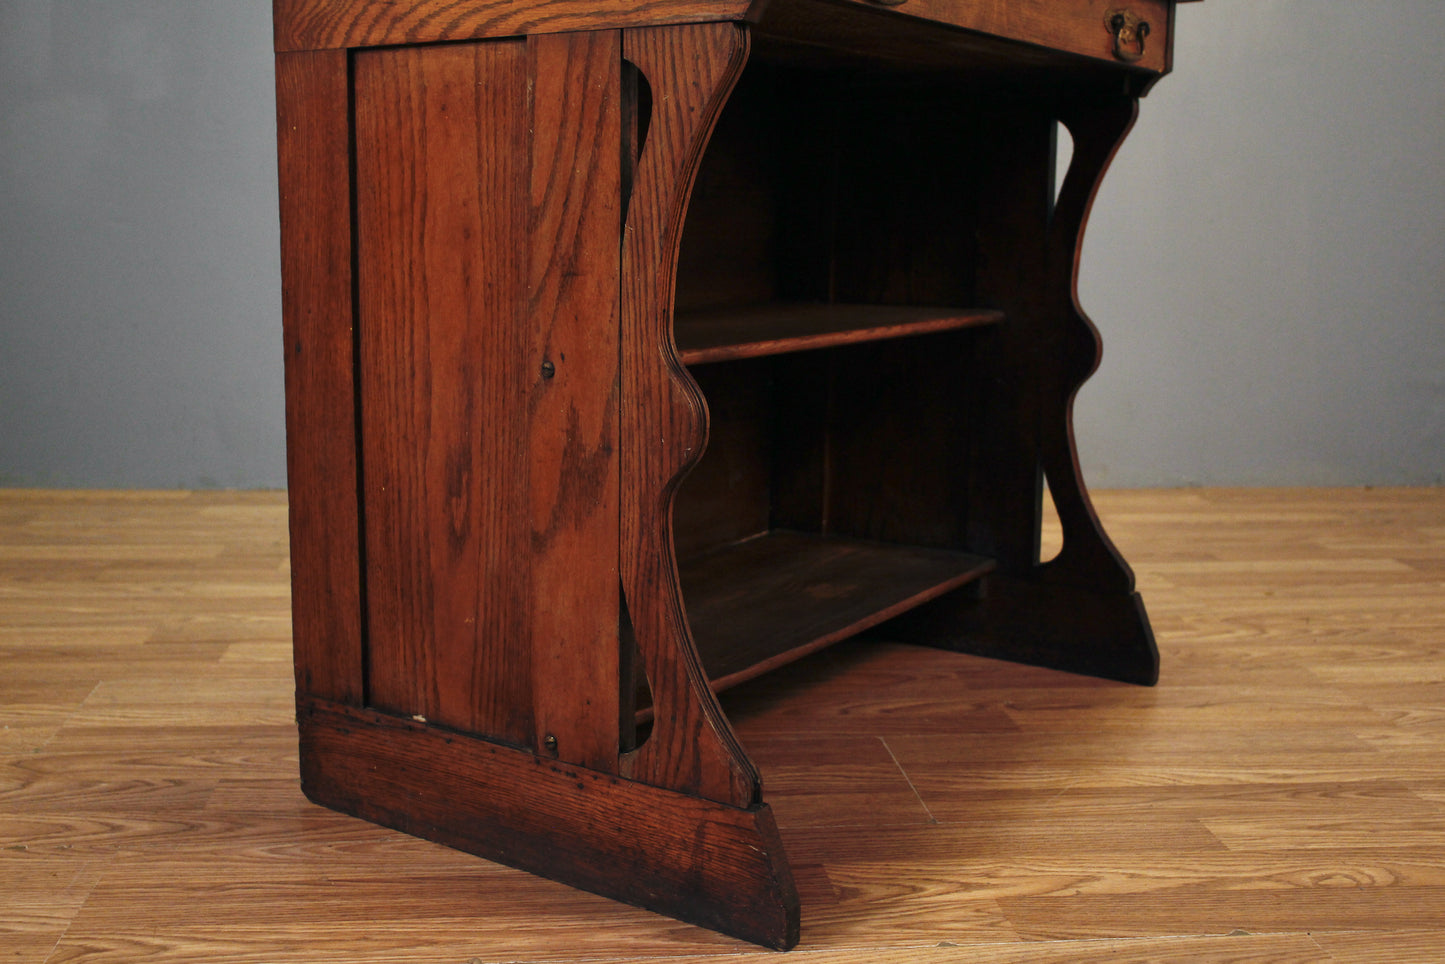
<point>1075,26</point>
<point>333,24</point>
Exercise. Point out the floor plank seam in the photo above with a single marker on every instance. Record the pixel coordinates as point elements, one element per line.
<point>909,780</point>
<point>79,910</point>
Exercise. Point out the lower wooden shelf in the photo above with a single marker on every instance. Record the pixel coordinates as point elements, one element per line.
<point>774,598</point>
<point>729,334</point>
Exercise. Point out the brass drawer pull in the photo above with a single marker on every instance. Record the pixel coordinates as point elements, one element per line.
<point>1129,31</point>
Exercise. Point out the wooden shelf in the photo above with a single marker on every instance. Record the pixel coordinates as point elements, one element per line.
<point>773,329</point>
<point>775,598</point>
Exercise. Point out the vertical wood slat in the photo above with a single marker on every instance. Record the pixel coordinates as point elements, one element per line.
<point>441,149</point>
<point>573,428</point>
<point>1077,612</point>
<point>1080,26</point>
<point>690,71</point>
<point>313,141</point>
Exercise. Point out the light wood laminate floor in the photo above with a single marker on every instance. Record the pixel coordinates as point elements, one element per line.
<point>1279,797</point>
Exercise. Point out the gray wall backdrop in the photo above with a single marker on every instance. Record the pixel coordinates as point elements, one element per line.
<point>1266,260</point>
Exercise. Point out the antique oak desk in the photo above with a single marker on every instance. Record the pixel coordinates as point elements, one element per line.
<point>634,349</point>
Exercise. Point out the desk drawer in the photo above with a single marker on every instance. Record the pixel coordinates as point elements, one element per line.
<point>1135,32</point>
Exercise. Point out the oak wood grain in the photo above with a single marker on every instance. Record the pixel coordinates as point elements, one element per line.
<point>442,184</point>
<point>573,421</point>
<point>687,72</point>
<point>313,141</point>
<point>325,24</point>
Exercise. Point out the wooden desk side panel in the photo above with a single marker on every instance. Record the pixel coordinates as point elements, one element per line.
<point>321,433</point>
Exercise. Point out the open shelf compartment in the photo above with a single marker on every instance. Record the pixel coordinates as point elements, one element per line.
<point>767,601</point>
<point>826,306</point>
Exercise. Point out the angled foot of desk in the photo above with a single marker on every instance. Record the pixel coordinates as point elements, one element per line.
<point>706,863</point>
<point>1026,621</point>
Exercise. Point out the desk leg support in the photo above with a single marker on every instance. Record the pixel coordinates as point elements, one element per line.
<point>715,821</point>
<point>456,592</point>
<point>703,862</point>
<point>1078,611</point>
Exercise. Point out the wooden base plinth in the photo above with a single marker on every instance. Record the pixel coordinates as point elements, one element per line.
<point>713,865</point>
<point>1041,624</point>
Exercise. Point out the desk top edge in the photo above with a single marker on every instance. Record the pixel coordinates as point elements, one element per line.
<point>310,25</point>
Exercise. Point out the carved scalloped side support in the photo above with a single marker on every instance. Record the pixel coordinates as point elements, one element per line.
<point>1088,557</point>
<point>1079,611</point>
<point>690,71</point>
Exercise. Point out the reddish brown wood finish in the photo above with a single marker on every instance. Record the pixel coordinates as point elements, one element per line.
<point>491,428</point>
<point>572,434</point>
<point>441,145</point>
<point>704,862</point>
<point>489,385</point>
<point>729,334</point>
<point>326,24</point>
<point>313,138</point>
<point>689,71</point>
<point>772,600</point>
<point>1077,26</point>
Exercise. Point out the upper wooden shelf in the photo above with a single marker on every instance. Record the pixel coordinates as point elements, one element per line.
<point>774,329</point>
